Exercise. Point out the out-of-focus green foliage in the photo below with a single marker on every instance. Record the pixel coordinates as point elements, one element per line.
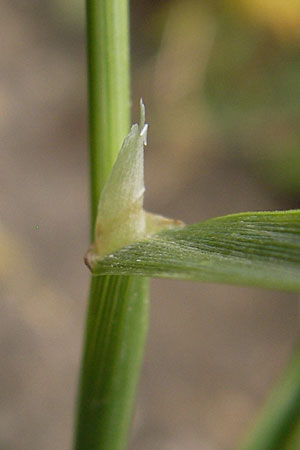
<point>252,86</point>
<point>281,17</point>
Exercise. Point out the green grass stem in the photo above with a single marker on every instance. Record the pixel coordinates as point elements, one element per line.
<point>115,334</point>
<point>117,315</point>
<point>108,88</point>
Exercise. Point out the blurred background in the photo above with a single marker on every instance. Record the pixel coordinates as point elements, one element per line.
<point>221,84</point>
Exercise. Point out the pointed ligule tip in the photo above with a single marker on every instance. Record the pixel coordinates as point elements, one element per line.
<point>143,126</point>
<point>142,114</point>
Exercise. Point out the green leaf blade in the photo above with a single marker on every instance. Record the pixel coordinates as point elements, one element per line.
<point>258,249</point>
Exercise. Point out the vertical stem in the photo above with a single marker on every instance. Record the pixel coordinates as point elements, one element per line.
<point>116,328</point>
<point>108,86</point>
<point>117,314</point>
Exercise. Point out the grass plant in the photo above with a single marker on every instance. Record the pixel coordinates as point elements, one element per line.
<point>256,249</point>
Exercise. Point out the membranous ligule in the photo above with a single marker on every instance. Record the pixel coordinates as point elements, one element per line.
<point>121,218</point>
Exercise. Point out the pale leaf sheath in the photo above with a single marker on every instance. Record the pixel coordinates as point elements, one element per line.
<point>121,218</point>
